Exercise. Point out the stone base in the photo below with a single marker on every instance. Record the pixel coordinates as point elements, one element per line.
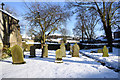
<point>58,61</point>
<point>105,55</point>
<point>63,56</point>
<point>32,56</point>
<point>19,63</point>
<point>44,57</point>
<point>75,56</point>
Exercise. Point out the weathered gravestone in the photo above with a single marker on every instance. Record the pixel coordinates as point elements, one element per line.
<point>32,51</point>
<point>100,51</point>
<point>75,50</point>
<point>105,52</point>
<point>17,55</point>
<point>58,56</point>
<point>68,46</point>
<point>70,53</point>
<point>0,50</point>
<point>62,47</point>
<point>45,51</point>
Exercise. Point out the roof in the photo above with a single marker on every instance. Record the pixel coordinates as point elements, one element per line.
<point>118,30</point>
<point>8,14</point>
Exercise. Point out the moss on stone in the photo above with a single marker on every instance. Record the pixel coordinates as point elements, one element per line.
<point>62,47</point>
<point>100,50</point>
<point>58,56</point>
<point>17,55</point>
<point>75,50</point>
<point>105,52</point>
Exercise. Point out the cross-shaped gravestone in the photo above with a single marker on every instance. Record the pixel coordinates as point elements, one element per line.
<point>2,5</point>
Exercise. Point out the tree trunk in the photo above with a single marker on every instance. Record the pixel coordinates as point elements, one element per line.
<point>42,44</point>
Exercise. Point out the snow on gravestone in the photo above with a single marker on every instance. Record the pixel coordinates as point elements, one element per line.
<point>100,51</point>
<point>17,55</point>
<point>62,47</point>
<point>58,56</point>
<point>105,52</point>
<point>32,51</point>
<point>75,49</point>
<point>45,50</point>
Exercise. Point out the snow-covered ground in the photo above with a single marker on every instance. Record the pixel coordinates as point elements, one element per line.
<point>112,61</point>
<point>72,67</point>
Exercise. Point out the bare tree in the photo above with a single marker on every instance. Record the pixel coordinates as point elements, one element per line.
<point>45,18</point>
<point>85,25</point>
<point>64,32</point>
<point>108,13</point>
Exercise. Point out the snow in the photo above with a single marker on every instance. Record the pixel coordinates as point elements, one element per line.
<point>117,39</point>
<point>8,14</point>
<point>95,44</point>
<point>118,30</point>
<point>72,67</point>
<point>55,34</point>
<point>111,61</point>
<point>33,43</point>
<point>72,41</point>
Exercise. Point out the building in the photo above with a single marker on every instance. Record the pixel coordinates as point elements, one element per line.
<point>9,29</point>
<point>117,35</point>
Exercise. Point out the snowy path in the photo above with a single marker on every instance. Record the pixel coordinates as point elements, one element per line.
<point>112,61</point>
<point>71,67</point>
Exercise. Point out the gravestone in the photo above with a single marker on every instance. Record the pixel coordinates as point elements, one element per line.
<point>70,53</point>
<point>0,50</point>
<point>68,46</point>
<point>32,51</point>
<point>58,56</point>
<point>105,52</point>
<point>62,47</point>
<point>17,55</point>
<point>100,51</point>
<point>45,51</point>
<point>75,50</point>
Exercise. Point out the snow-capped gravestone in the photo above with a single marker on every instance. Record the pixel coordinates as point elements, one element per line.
<point>105,52</point>
<point>75,50</point>
<point>100,51</point>
<point>62,47</point>
<point>17,55</point>
<point>58,56</point>
<point>32,51</point>
<point>45,51</point>
<point>70,50</point>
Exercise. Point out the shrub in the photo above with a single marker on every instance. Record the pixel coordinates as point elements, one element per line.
<point>6,50</point>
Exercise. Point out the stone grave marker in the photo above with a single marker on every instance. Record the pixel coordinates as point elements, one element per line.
<point>17,55</point>
<point>75,50</point>
<point>58,56</point>
<point>105,52</point>
<point>32,51</point>
<point>45,51</point>
<point>0,50</point>
<point>100,51</point>
<point>68,46</point>
<point>62,47</point>
<point>70,53</point>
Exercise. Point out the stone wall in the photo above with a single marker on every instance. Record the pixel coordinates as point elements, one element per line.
<point>12,28</point>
